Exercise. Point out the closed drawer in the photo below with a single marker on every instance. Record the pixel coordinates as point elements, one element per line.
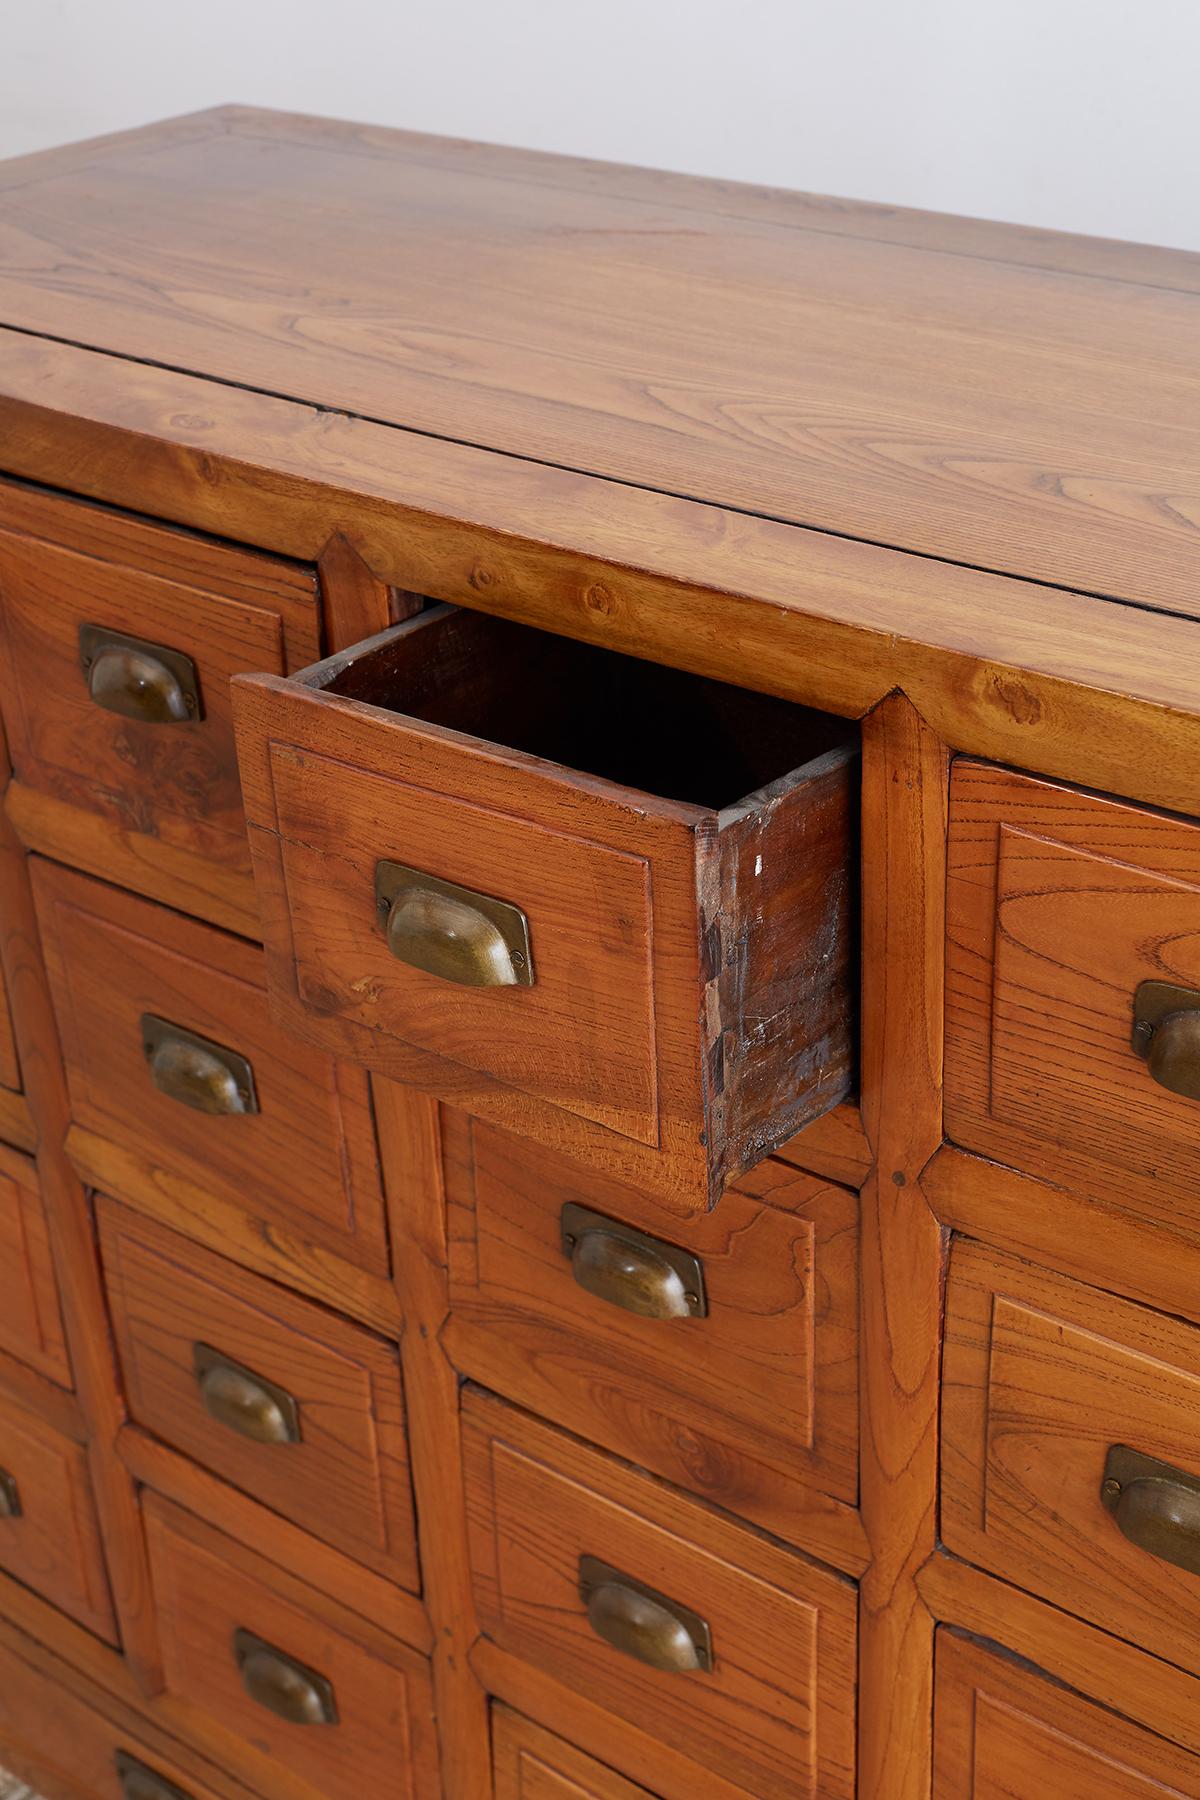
<point>1071,919</point>
<point>602,903</point>
<point>49,1538</point>
<point>532,1764</point>
<point>734,1653</point>
<point>255,1656</point>
<point>1071,1448</point>
<point>719,1351</point>
<point>293,1405</point>
<point>1004,1732</point>
<point>173,1058</point>
<point>30,1316</point>
<point>69,1751</point>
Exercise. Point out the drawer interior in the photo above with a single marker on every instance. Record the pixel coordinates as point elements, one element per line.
<point>663,731</point>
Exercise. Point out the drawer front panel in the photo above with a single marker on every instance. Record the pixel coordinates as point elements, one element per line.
<point>1062,906</point>
<point>190,611</point>
<point>361,1706</point>
<point>300,1152</point>
<point>30,1316</point>
<point>289,1403</point>
<point>1044,1379</point>
<point>10,1068</point>
<point>736,1401</point>
<point>531,1764</point>
<point>1003,1732</point>
<point>766,1705</point>
<point>49,1537</point>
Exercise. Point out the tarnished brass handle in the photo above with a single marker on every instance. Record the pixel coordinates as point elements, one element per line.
<point>138,1782</point>
<point>137,679</point>
<point>627,1268</point>
<point>1166,1032</point>
<point>242,1401</point>
<point>198,1073</point>
<point>642,1623</point>
<point>1157,1507</point>
<point>284,1686</point>
<point>450,931</point>
<point>10,1496</point>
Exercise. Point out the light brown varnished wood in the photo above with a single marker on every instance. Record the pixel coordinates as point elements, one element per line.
<point>834,1146</point>
<point>772,1718</point>
<point>752,1406</point>
<point>530,1764</point>
<point>52,1542</point>
<point>1004,1731</point>
<point>903,836</point>
<point>30,1313</point>
<point>347,1478</point>
<point>1027,418</point>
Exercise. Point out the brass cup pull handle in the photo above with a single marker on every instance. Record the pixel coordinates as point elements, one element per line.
<point>1166,1032</point>
<point>137,679</point>
<point>195,1071</point>
<point>285,1687</point>
<point>242,1401</point>
<point>140,1782</point>
<point>10,1496</point>
<point>1157,1507</point>
<point>626,1268</point>
<point>642,1623</point>
<point>472,939</point>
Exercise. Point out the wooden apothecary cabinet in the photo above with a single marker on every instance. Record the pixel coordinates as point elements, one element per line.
<point>600,1036</point>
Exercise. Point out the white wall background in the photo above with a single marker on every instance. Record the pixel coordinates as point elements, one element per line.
<point>1078,114</point>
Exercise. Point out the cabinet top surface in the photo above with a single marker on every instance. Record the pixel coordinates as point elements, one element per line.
<point>1015,400</point>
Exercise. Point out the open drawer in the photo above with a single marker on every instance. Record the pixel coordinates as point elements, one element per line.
<point>600,902</point>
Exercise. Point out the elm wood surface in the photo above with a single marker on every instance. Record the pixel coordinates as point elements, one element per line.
<point>305,1159</point>
<point>994,665</point>
<point>30,1312</point>
<point>52,1540</point>
<point>206,1587</point>
<point>346,1479</point>
<point>1042,1377</point>
<point>748,1406</point>
<point>10,1068</point>
<point>687,893</point>
<point>1060,904</point>
<point>530,1764</point>
<point>775,1714</point>
<point>1003,1732</point>
<point>149,804</point>
<point>1024,416</point>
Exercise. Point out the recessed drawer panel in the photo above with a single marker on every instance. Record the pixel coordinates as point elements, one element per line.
<point>49,1538</point>
<point>293,1405</point>
<point>1073,988</point>
<point>120,638</point>
<point>730,1651</point>
<point>30,1316</point>
<point>719,1351</point>
<point>603,903</point>
<point>1004,1732</point>
<point>532,1764</point>
<point>346,1712</point>
<point>172,1056</point>
<point>1071,1448</point>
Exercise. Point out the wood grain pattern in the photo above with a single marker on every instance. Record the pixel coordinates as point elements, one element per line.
<point>774,1717</point>
<point>993,664</point>
<point>834,1146</point>
<point>903,872</point>
<point>54,1542</point>
<point>347,1479</point>
<point>30,1312</point>
<point>1042,1377</point>
<point>206,1587</point>
<point>1005,1733</point>
<point>306,1157</point>
<point>741,1407</point>
<point>1060,904</point>
<point>530,1764</point>
<point>959,405</point>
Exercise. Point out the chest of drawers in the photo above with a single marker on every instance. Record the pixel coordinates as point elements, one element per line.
<point>600,1035</point>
